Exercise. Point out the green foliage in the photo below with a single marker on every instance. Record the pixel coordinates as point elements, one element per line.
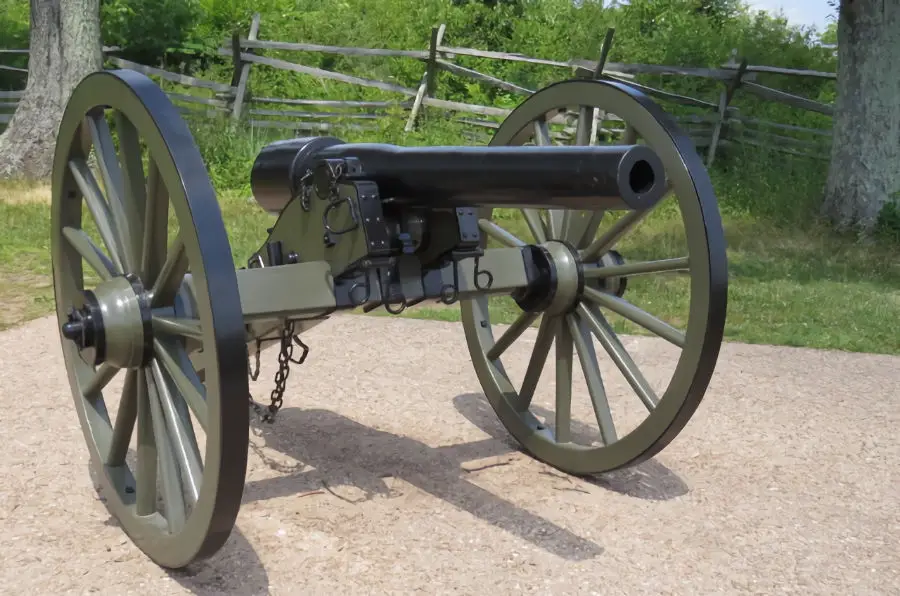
<point>889,219</point>
<point>147,30</point>
<point>699,33</point>
<point>829,36</point>
<point>186,34</point>
<point>14,24</point>
<point>13,35</point>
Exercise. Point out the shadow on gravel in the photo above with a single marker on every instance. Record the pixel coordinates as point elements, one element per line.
<point>346,453</point>
<point>649,480</point>
<point>236,569</point>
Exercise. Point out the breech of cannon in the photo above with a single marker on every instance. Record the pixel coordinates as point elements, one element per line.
<point>629,177</point>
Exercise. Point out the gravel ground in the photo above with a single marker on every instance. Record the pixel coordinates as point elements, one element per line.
<point>387,472</point>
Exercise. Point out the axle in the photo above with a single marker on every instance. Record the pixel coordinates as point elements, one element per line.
<point>578,177</point>
<point>539,278</point>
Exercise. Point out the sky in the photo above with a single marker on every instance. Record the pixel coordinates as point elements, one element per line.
<point>799,12</point>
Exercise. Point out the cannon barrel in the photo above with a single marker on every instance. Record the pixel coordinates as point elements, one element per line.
<point>573,177</point>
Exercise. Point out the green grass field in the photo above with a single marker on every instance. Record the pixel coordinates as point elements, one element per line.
<point>787,286</point>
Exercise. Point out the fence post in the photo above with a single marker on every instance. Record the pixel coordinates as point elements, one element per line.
<point>241,68</point>
<point>724,100</point>
<point>429,79</point>
<point>595,113</point>
<point>604,52</point>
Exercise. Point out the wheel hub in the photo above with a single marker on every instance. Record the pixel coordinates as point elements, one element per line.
<point>559,278</point>
<point>84,328</point>
<point>112,324</point>
<point>611,285</point>
<point>569,277</point>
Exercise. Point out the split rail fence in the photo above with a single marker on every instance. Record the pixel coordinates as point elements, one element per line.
<point>711,125</point>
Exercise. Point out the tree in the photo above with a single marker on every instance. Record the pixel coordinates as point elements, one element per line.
<point>147,30</point>
<point>64,47</point>
<point>829,36</point>
<point>865,155</point>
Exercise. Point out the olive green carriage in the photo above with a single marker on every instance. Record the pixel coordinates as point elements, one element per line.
<point>161,308</point>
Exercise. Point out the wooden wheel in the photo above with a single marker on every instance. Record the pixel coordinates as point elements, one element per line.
<point>169,449</point>
<point>597,269</point>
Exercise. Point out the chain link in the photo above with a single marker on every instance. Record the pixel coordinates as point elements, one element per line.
<point>254,374</point>
<point>285,358</point>
<point>305,192</point>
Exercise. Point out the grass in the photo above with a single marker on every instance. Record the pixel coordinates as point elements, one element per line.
<point>788,286</point>
<point>26,289</point>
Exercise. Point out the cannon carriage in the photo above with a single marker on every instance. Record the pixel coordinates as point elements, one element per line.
<point>161,305</point>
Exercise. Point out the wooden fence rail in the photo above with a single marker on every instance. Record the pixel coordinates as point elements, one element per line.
<point>711,125</point>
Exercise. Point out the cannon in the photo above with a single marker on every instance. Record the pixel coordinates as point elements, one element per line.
<point>147,287</point>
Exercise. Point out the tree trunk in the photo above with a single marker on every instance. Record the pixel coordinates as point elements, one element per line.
<point>865,155</point>
<point>64,48</point>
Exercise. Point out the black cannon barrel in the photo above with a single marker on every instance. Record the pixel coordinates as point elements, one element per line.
<point>574,177</point>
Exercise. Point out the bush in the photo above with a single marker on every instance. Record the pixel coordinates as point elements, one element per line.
<point>14,36</point>
<point>149,30</point>
<point>678,32</point>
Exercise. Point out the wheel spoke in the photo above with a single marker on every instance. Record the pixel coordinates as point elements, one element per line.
<point>596,123</point>
<point>563,233</point>
<point>499,234</point>
<point>193,393</point>
<point>602,244</point>
<point>581,227</point>
<point>105,150</point>
<point>542,347</point>
<point>638,268</point>
<point>156,221</point>
<point>563,425</point>
<point>541,133</point>
<point>535,224</point>
<point>512,334</point>
<point>145,503</point>
<point>630,135</point>
<point>542,138</point>
<point>180,327</point>
<point>620,356</point>
<point>125,419</point>
<point>171,275</point>
<point>181,406</point>
<point>133,183</point>
<point>96,204</point>
<point>583,127</point>
<point>90,252</point>
<point>584,345</point>
<point>111,173</point>
<point>105,373</point>
<point>173,497</point>
<point>186,452</point>
<point>556,217</point>
<point>636,315</point>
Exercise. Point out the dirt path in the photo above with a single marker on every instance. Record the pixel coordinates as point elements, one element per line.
<point>395,477</point>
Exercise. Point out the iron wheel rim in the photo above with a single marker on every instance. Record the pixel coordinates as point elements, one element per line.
<point>193,201</point>
<point>708,286</point>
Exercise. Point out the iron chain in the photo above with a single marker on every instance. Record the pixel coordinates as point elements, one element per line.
<point>285,358</point>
